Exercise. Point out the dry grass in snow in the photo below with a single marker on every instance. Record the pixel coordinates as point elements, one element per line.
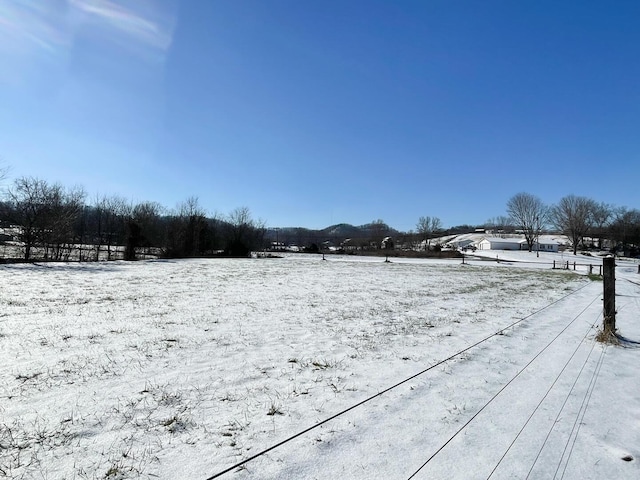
<point>178,369</point>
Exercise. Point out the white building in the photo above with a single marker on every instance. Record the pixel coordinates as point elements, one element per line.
<point>546,245</point>
<point>496,243</point>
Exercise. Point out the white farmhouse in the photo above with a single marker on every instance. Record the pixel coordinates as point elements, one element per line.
<point>546,245</point>
<point>496,243</point>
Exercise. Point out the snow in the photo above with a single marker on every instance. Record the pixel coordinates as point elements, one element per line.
<point>181,369</point>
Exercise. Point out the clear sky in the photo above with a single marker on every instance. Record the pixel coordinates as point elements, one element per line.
<point>312,113</point>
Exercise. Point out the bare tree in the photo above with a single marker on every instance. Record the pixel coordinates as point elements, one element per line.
<point>529,214</point>
<point>378,230</point>
<point>195,218</point>
<point>141,226</point>
<point>573,216</point>
<point>602,214</point>
<point>501,224</point>
<point>146,218</point>
<point>46,214</point>
<point>96,224</point>
<point>27,208</point>
<point>625,230</point>
<point>244,233</point>
<point>114,212</point>
<point>4,172</point>
<point>187,230</point>
<point>64,208</point>
<point>406,240</point>
<point>426,228</point>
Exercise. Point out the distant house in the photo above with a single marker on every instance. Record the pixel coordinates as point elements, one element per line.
<point>496,243</point>
<point>348,245</point>
<point>277,246</point>
<point>547,245</point>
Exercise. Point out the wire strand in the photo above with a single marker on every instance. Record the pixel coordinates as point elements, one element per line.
<point>583,411</point>
<point>549,389</point>
<point>575,382</point>
<point>492,399</point>
<point>366,400</point>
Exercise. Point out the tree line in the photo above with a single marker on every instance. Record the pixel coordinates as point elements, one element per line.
<point>53,220</point>
<point>584,221</point>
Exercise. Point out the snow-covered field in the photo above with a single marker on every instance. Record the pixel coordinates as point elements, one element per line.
<point>181,369</point>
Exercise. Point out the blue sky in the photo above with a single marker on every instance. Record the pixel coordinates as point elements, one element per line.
<point>312,113</point>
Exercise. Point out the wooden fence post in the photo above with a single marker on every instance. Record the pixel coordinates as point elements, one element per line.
<point>609,270</point>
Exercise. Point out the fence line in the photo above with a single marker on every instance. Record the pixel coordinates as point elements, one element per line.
<point>12,252</point>
<point>473,417</point>
<point>293,437</point>
<point>573,354</point>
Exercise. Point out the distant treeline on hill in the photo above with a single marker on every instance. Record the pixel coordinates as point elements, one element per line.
<point>44,221</point>
<point>369,237</point>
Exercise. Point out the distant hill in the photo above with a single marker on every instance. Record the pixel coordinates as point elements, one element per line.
<point>351,231</point>
<point>334,234</point>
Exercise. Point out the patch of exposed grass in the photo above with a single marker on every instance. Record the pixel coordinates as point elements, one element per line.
<point>323,364</point>
<point>608,336</point>
<point>274,409</point>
